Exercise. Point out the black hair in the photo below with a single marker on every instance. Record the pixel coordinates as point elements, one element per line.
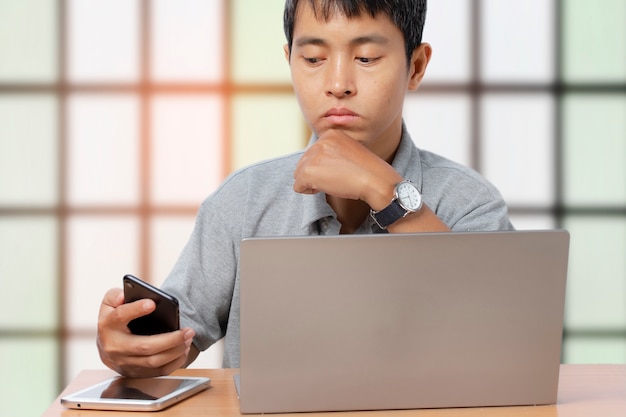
<point>408,15</point>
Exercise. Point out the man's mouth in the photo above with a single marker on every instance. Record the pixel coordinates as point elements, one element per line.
<point>340,116</point>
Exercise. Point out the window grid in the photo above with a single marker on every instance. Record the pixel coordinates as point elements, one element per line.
<point>226,89</point>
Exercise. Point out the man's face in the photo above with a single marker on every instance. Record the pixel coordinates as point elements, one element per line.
<point>351,75</point>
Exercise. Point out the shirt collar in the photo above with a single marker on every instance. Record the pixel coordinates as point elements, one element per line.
<point>315,209</point>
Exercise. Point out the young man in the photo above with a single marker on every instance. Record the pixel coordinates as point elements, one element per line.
<point>352,63</point>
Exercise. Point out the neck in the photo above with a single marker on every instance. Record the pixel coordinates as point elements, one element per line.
<point>350,213</point>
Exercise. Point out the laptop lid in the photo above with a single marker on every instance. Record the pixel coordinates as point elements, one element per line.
<point>401,321</point>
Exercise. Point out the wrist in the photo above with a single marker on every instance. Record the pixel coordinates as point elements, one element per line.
<point>381,193</point>
<point>406,199</point>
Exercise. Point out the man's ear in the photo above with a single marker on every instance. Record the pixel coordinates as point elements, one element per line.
<point>417,66</point>
<point>286,49</point>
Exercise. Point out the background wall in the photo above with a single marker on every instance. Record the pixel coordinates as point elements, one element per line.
<point>117,117</point>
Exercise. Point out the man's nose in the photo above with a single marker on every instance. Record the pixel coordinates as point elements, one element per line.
<point>340,81</point>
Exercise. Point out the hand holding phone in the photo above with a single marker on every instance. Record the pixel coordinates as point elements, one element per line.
<point>165,318</point>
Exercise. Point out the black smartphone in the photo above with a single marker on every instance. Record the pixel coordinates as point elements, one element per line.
<point>165,318</point>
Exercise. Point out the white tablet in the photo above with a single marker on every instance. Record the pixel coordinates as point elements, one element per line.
<point>136,394</point>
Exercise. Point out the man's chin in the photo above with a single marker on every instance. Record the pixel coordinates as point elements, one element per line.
<point>347,131</point>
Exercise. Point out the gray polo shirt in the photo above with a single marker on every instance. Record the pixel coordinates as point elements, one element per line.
<point>259,201</point>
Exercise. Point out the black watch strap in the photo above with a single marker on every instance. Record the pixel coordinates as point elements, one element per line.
<point>389,215</point>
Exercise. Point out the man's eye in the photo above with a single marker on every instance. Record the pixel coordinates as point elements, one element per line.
<point>364,60</point>
<point>312,60</point>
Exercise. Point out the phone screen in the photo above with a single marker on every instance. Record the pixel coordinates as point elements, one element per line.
<point>165,318</point>
<point>136,388</point>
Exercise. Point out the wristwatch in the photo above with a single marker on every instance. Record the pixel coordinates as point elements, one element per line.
<point>406,199</point>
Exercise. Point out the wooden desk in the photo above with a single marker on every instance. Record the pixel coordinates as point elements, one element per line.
<point>584,390</point>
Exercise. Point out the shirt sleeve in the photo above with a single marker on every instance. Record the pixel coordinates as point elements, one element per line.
<point>203,279</point>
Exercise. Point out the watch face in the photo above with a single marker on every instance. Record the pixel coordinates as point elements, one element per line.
<point>408,196</point>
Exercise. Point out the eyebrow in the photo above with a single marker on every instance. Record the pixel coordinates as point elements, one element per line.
<point>361,40</point>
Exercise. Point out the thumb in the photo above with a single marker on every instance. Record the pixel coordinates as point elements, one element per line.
<point>113,308</point>
<point>113,298</point>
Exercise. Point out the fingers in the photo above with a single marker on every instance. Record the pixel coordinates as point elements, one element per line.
<point>153,355</point>
<point>145,356</point>
<point>171,359</point>
<point>316,167</point>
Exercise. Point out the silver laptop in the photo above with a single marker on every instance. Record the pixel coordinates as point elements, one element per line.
<point>401,321</point>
